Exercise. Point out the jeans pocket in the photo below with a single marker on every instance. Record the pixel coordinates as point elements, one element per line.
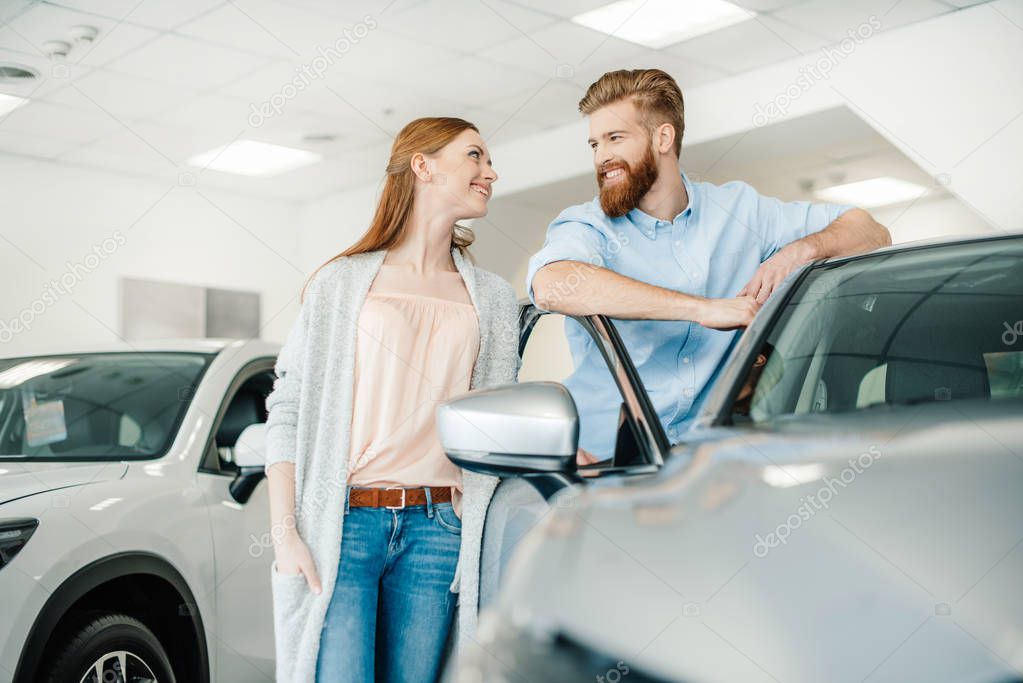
<point>444,514</point>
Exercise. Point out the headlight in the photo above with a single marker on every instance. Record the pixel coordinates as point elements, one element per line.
<point>14,534</point>
<point>510,654</point>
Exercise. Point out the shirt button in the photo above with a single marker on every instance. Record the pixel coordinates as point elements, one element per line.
<point>678,243</point>
<point>686,360</point>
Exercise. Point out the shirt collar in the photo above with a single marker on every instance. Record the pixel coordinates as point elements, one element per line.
<point>648,225</point>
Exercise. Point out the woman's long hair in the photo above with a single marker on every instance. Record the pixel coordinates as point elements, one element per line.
<point>390,222</point>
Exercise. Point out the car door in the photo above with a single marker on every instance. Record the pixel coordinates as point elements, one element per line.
<point>243,636</point>
<point>640,443</point>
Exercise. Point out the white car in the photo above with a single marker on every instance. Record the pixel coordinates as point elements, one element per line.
<point>132,547</point>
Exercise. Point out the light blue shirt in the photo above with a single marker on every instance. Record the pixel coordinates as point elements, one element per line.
<point>711,249</point>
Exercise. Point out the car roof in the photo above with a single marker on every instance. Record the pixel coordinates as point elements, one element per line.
<point>949,240</point>
<point>212,345</point>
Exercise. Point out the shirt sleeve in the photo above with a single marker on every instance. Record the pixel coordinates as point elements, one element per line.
<point>780,223</point>
<point>282,401</point>
<point>567,240</point>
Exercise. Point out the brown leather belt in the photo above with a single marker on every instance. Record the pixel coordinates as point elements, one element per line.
<point>397,498</point>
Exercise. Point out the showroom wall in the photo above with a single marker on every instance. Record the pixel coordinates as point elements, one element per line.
<point>87,228</point>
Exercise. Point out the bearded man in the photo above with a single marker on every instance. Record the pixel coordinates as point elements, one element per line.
<point>681,265</point>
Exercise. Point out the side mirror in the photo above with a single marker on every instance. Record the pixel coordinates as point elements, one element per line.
<point>530,428</point>
<point>250,457</point>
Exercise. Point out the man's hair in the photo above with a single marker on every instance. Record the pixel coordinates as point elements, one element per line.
<point>655,94</point>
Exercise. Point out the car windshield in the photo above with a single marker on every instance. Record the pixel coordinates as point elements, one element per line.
<point>94,406</point>
<point>931,324</point>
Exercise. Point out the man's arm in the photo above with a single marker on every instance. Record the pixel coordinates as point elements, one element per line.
<point>853,232</point>
<point>577,288</point>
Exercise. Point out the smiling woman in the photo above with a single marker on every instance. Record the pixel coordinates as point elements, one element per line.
<point>396,324</point>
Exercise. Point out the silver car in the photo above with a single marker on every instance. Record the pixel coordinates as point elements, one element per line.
<point>132,547</point>
<point>849,506</point>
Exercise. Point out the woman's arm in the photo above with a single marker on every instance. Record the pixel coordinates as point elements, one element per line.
<point>282,403</point>
<point>290,550</point>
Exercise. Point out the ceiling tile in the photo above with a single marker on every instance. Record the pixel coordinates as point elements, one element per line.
<point>554,104</point>
<point>112,44</point>
<point>766,5</point>
<point>60,123</point>
<point>834,19</point>
<point>272,28</point>
<point>16,142</point>
<point>465,26</point>
<point>226,116</point>
<point>686,72</point>
<point>561,48</point>
<point>133,164</point>
<point>187,62</point>
<point>156,13</point>
<point>499,127</point>
<point>762,42</point>
<point>566,9</point>
<point>390,54</point>
<point>476,81</point>
<point>51,76</point>
<point>42,22</point>
<point>120,95</point>
<point>151,139</point>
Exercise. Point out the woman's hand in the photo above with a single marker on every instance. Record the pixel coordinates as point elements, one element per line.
<point>293,557</point>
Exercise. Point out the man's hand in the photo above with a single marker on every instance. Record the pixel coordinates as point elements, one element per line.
<point>728,314</point>
<point>584,457</point>
<point>774,270</point>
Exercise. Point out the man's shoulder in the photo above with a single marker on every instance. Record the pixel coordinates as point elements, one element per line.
<point>730,188</point>
<point>587,213</point>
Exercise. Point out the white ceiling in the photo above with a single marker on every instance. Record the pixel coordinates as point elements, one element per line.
<point>166,80</point>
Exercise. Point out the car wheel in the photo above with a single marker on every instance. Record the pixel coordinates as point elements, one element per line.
<point>111,647</point>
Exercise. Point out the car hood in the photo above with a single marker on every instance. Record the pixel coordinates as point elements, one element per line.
<point>795,548</point>
<point>20,479</point>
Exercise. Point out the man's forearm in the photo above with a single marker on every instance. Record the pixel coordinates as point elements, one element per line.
<point>577,288</point>
<point>854,232</point>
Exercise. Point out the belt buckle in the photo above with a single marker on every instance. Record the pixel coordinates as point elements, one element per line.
<point>396,507</point>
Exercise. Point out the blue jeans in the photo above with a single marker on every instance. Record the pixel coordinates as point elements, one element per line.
<point>391,610</point>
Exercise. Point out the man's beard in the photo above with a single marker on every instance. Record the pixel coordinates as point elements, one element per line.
<point>623,196</point>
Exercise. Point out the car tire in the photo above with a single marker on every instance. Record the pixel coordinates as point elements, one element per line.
<point>108,640</point>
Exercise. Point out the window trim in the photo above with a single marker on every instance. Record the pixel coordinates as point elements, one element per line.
<point>638,407</point>
<point>244,374</point>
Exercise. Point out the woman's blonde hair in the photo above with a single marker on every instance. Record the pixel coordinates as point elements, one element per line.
<point>390,222</point>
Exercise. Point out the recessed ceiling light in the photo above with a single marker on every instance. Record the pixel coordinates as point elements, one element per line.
<point>248,157</point>
<point>657,23</point>
<point>17,73</point>
<point>10,103</point>
<point>873,192</point>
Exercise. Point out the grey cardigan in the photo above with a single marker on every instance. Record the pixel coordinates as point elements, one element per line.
<point>309,423</point>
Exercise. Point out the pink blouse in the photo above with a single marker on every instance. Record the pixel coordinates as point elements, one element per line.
<point>413,351</point>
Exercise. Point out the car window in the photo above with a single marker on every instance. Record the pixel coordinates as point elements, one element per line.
<point>95,405</point>
<point>605,436</point>
<point>935,324</point>
<point>247,406</point>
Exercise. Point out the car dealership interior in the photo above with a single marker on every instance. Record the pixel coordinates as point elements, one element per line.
<point>831,493</point>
